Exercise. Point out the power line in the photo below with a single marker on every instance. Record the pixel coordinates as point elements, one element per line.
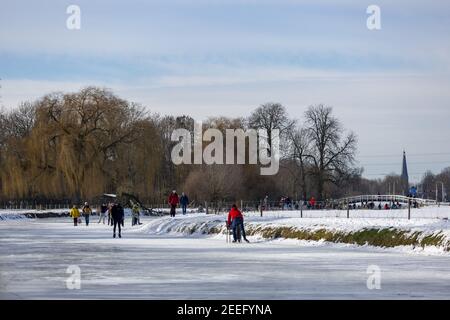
<point>393,173</point>
<point>407,155</point>
<point>397,163</point>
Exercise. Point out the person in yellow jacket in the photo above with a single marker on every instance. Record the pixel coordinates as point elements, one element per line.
<point>75,214</point>
<point>135,215</point>
<point>86,213</point>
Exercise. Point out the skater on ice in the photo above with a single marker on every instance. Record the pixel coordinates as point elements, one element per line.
<point>117,214</point>
<point>312,203</point>
<point>135,215</point>
<point>86,213</point>
<point>110,218</point>
<point>75,214</point>
<point>122,214</point>
<point>184,201</point>
<point>103,213</point>
<point>236,221</point>
<point>173,202</point>
<point>266,203</point>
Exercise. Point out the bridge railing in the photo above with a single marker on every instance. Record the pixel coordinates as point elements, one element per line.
<point>386,198</point>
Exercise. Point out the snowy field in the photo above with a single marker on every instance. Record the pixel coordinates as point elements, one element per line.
<point>153,262</point>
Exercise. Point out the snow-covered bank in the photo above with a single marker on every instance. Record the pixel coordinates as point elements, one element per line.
<point>380,232</point>
<point>16,214</point>
<point>12,216</point>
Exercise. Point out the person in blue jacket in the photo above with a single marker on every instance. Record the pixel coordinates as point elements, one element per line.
<point>184,201</point>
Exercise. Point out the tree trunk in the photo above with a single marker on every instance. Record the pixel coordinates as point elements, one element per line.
<point>320,184</point>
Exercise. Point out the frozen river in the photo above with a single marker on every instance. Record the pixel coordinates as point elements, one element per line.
<point>35,255</point>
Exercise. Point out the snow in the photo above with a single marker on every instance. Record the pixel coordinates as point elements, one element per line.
<point>438,212</point>
<point>9,212</point>
<point>202,223</point>
<point>154,262</point>
<point>292,218</point>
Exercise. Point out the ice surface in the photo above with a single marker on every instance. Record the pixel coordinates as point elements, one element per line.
<point>35,254</point>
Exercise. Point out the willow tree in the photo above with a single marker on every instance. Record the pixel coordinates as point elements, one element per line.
<point>16,128</point>
<point>82,132</point>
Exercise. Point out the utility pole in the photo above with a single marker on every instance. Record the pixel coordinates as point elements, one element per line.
<point>442,191</point>
<point>409,208</point>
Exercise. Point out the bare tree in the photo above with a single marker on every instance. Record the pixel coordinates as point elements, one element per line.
<point>3,128</point>
<point>215,182</point>
<point>1,104</point>
<point>270,116</point>
<point>428,185</point>
<point>331,154</point>
<point>20,121</point>
<point>299,142</point>
<point>444,177</point>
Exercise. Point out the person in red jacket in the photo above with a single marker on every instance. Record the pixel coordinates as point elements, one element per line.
<point>173,202</point>
<point>236,220</point>
<point>312,202</point>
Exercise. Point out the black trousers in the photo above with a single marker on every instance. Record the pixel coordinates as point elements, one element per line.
<point>117,223</point>
<point>238,225</point>
<point>173,208</point>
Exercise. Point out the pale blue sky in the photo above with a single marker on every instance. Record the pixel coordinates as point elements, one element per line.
<point>209,58</point>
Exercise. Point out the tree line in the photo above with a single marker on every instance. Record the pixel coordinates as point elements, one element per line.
<point>80,145</point>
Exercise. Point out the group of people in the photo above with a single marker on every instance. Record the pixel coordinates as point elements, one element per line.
<point>174,200</point>
<point>116,215</point>
<point>86,211</point>
<point>235,220</point>
<point>285,203</point>
<point>114,211</point>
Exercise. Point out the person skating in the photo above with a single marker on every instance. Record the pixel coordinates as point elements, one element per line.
<point>122,215</point>
<point>135,215</point>
<point>110,219</point>
<point>86,213</point>
<point>117,215</point>
<point>103,212</point>
<point>75,214</point>
<point>236,220</point>
<point>173,202</point>
<point>122,221</point>
<point>312,202</point>
<point>266,203</point>
<point>184,201</point>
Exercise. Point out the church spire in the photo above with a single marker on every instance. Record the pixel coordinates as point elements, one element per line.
<point>404,176</point>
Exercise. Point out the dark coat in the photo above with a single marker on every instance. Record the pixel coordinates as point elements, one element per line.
<point>117,212</point>
<point>184,200</point>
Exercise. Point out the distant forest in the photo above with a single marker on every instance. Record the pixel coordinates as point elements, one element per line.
<point>80,145</point>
